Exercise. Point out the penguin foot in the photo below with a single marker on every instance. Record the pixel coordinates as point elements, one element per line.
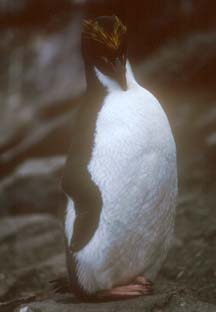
<point>141,280</point>
<point>136,289</point>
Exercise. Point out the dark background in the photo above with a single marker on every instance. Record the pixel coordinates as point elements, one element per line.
<point>172,48</point>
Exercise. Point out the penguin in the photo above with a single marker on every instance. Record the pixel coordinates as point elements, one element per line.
<point>120,176</point>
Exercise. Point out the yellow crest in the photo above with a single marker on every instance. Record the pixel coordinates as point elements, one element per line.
<point>94,31</point>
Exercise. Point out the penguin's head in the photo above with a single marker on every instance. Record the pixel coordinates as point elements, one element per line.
<point>104,43</point>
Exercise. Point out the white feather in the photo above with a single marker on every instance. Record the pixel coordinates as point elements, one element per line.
<point>134,165</point>
<point>69,220</point>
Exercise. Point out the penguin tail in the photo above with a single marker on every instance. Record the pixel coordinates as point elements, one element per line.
<point>60,285</point>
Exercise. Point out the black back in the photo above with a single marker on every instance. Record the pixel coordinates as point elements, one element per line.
<point>77,182</point>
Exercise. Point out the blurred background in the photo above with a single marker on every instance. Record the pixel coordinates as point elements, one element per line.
<point>172,48</point>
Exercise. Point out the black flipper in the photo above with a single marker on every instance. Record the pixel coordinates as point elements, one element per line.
<point>77,182</point>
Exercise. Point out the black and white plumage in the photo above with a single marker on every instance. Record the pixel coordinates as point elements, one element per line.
<point>120,176</point>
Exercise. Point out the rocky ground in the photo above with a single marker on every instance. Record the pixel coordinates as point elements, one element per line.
<point>41,81</point>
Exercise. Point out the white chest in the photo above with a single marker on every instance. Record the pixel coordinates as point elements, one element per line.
<point>133,145</point>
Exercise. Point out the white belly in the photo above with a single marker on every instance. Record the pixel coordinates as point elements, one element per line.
<point>134,165</point>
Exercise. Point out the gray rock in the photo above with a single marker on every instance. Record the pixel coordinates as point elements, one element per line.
<point>31,254</point>
<point>33,187</point>
<point>38,71</point>
<point>35,167</point>
<point>174,63</point>
<point>65,304</point>
<point>186,304</point>
<point>156,303</point>
<point>211,140</point>
<point>47,137</point>
<point>8,6</point>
